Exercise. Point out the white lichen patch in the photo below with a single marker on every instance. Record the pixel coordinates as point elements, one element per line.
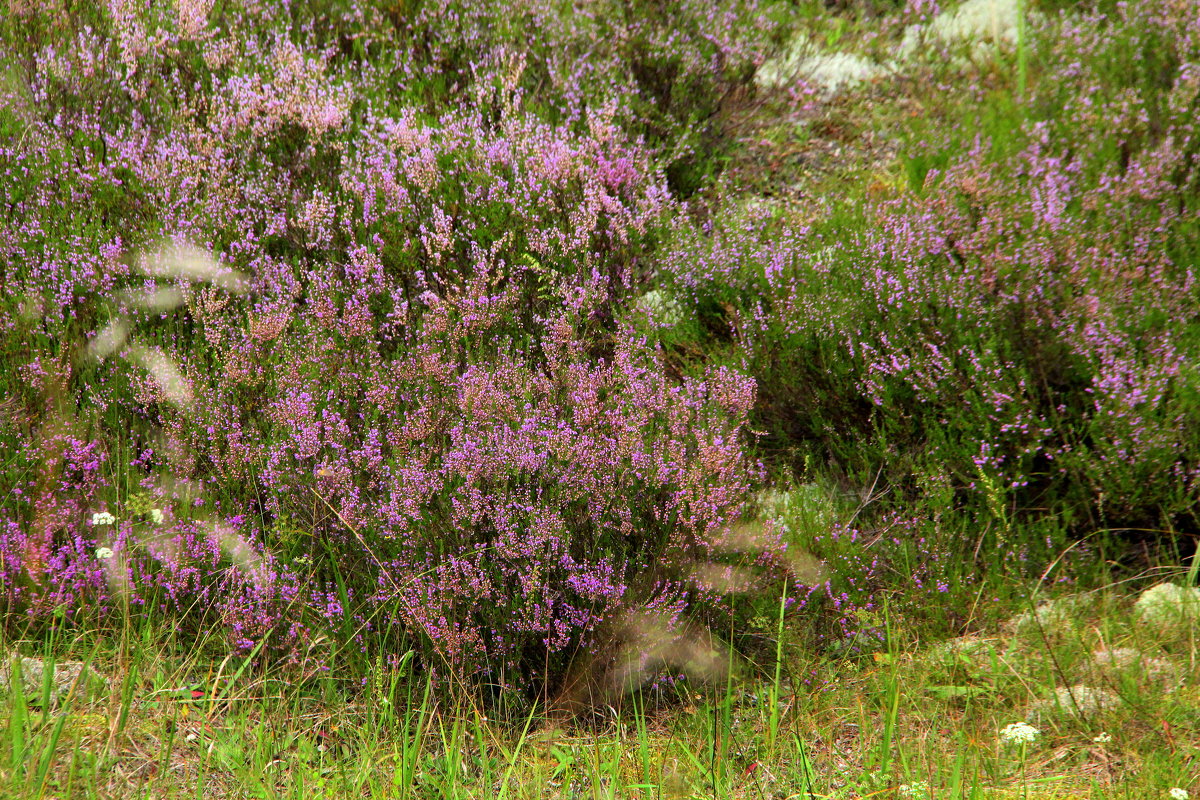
<point>803,61</point>
<point>963,649</point>
<point>661,308</point>
<point>1078,700</point>
<point>67,677</point>
<point>836,71</point>
<point>982,26</point>
<point>1117,658</point>
<point>1168,608</point>
<point>1052,617</point>
<point>1109,665</point>
<point>978,20</point>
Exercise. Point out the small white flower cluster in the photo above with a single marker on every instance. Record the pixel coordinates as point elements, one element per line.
<point>1103,738</point>
<point>104,518</point>
<point>1019,733</point>
<point>917,790</point>
<point>1177,793</point>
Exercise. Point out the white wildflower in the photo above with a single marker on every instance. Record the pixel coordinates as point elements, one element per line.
<point>1177,793</point>
<point>103,518</point>
<point>103,553</point>
<point>156,516</point>
<point>916,790</point>
<point>1103,738</point>
<point>1019,733</point>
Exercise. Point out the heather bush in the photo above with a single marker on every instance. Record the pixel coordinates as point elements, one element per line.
<point>490,500</point>
<point>663,68</point>
<point>318,330</point>
<point>1012,333</point>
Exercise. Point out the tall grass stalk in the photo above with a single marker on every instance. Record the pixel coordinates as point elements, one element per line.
<point>645,759</point>
<point>891,696</point>
<point>514,755</point>
<point>412,742</point>
<point>773,711</point>
<point>1022,49</point>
